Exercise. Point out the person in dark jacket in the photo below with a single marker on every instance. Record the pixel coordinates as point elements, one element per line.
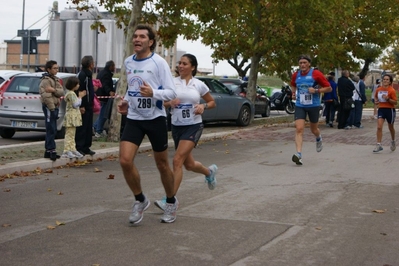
<point>345,91</point>
<point>84,137</point>
<point>329,98</point>
<point>107,90</point>
<point>360,99</point>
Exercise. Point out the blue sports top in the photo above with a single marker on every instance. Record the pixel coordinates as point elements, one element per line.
<point>303,97</point>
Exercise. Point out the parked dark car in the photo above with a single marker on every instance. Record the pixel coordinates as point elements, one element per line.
<point>262,102</point>
<point>229,106</point>
<point>21,109</point>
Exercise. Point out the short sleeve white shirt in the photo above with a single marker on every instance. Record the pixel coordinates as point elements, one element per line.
<point>154,71</point>
<point>189,95</point>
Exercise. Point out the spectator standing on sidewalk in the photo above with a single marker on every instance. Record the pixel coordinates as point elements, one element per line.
<point>330,98</point>
<point>303,83</point>
<point>72,117</point>
<point>351,119</point>
<point>385,98</point>
<point>51,91</point>
<point>84,137</point>
<point>150,82</point>
<point>375,87</point>
<point>106,90</point>
<point>345,91</point>
<point>187,123</point>
<point>360,100</point>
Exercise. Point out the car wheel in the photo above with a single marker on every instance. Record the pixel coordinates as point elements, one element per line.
<point>60,133</point>
<point>7,133</point>
<point>244,116</point>
<point>267,111</point>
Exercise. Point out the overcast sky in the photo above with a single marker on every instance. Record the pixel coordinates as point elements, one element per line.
<point>36,17</point>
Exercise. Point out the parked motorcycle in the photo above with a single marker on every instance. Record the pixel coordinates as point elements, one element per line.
<point>283,100</point>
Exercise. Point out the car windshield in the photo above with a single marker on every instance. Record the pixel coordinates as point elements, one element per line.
<point>219,87</point>
<point>231,86</point>
<point>25,85</point>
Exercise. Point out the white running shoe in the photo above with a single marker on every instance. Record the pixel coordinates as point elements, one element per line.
<point>378,148</point>
<point>211,179</point>
<point>393,145</point>
<point>319,145</point>
<point>77,154</point>
<point>296,158</point>
<point>138,209</point>
<point>169,215</point>
<point>161,203</point>
<point>68,154</point>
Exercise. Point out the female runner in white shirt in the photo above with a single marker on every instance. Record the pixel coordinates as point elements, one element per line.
<point>187,124</point>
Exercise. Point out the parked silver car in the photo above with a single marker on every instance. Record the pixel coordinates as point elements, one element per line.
<point>229,106</point>
<point>20,106</point>
<point>6,75</point>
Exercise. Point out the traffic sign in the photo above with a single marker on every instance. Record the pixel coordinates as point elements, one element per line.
<point>23,33</point>
<point>29,33</point>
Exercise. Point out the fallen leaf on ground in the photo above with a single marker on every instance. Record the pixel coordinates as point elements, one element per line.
<point>380,211</point>
<point>6,190</point>
<point>60,193</point>
<point>49,189</point>
<point>111,177</point>
<point>50,227</point>
<point>6,225</point>
<point>38,170</point>
<point>318,228</point>
<point>59,223</point>
<point>111,158</point>
<point>97,170</point>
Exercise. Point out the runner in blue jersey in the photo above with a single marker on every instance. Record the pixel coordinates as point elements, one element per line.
<point>150,82</point>
<point>307,84</point>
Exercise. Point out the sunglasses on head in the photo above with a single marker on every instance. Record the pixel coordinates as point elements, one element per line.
<point>305,57</point>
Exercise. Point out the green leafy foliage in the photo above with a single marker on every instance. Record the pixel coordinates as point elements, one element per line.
<point>269,35</point>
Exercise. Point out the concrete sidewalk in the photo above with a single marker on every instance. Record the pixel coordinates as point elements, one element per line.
<point>107,149</point>
<point>27,157</point>
<point>339,208</point>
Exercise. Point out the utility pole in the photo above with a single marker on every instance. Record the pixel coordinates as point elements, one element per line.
<point>23,20</point>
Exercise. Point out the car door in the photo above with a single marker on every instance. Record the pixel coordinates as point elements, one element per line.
<point>210,114</point>
<point>228,104</point>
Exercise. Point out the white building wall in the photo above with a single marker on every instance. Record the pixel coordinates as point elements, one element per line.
<point>3,53</point>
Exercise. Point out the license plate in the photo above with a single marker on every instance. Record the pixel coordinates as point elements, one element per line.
<point>24,124</point>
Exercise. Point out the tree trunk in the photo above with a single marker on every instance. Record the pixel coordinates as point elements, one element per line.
<point>253,78</point>
<point>115,121</point>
